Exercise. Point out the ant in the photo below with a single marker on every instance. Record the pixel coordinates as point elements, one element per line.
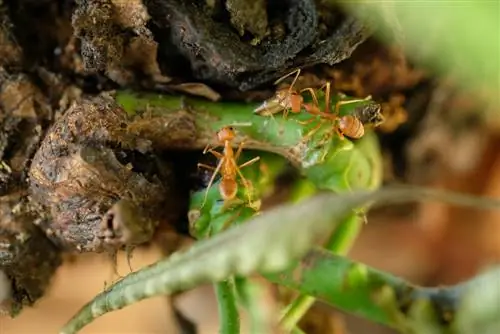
<point>290,100</point>
<point>227,167</point>
<point>286,99</point>
<point>347,125</point>
<point>351,126</point>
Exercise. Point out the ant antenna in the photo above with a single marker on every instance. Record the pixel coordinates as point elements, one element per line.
<point>297,71</point>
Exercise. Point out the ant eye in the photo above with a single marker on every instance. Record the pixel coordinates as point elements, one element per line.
<point>231,128</point>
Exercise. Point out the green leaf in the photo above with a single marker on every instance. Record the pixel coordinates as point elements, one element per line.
<point>267,243</point>
<point>349,167</point>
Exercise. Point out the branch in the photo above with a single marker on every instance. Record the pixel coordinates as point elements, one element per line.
<point>229,317</point>
<point>173,122</point>
<point>470,307</point>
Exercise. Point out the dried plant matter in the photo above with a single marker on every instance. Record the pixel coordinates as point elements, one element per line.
<point>27,258</point>
<point>93,175</point>
<point>216,52</point>
<point>23,113</point>
<point>10,52</point>
<point>249,15</point>
<point>114,39</point>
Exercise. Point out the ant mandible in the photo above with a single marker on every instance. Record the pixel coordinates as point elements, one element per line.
<point>227,167</point>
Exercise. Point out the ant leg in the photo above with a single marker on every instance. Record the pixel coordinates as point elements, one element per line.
<point>341,103</point>
<point>327,89</point>
<point>281,127</point>
<point>294,81</point>
<point>314,108</point>
<point>212,179</point>
<point>249,162</point>
<point>285,113</point>
<point>289,94</point>
<point>205,150</point>
<point>310,108</point>
<point>297,71</point>
<point>216,154</point>
<point>313,130</point>
<point>327,136</point>
<point>327,96</point>
<point>313,95</point>
<point>230,220</point>
<point>246,183</point>
<point>324,153</point>
<point>206,166</point>
<point>238,152</point>
<point>341,135</point>
<point>309,121</point>
<point>326,142</point>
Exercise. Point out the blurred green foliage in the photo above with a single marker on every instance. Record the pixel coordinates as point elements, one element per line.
<point>457,37</point>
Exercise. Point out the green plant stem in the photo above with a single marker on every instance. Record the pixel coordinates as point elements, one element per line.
<point>348,286</point>
<point>347,231</point>
<point>229,317</point>
<point>339,243</point>
<point>469,307</point>
<point>345,235</point>
<point>297,330</point>
<point>250,295</point>
<point>295,311</point>
<point>174,122</point>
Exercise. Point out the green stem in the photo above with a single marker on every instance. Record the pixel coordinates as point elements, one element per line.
<point>340,242</point>
<point>353,288</point>
<point>228,312</point>
<point>250,295</point>
<point>295,311</point>
<point>173,122</point>
<point>345,235</point>
<point>297,330</point>
<point>469,307</point>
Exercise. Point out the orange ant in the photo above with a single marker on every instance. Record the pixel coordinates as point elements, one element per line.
<point>227,167</point>
<point>347,125</point>
<point>286,99</point>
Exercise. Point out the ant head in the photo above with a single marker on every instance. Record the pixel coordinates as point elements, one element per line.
<point>226,134</point>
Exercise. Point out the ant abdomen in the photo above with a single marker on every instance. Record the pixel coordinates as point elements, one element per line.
<point>228,188</point>
<point>351,126</point>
